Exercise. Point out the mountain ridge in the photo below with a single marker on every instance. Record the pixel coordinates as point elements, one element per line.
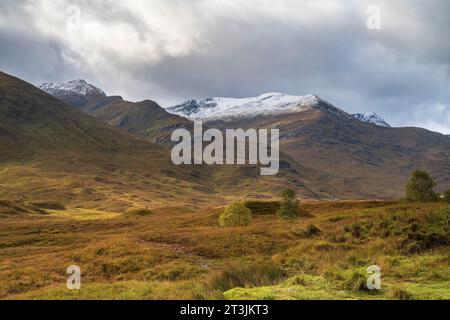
<point>327,150</point>
<point>80,93</point>
<point>373,118</point>
<point>77,86</point>
<point>52,151</point>
<point>273,103</point>
<point>145,119</point>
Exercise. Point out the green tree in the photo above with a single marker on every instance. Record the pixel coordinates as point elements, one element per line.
<point>289,208</point>
<point>420,187</point>
<point>236,214</point>
<point>447,195</point>
<point>288,194</point>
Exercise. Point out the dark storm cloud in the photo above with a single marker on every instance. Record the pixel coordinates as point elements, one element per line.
<point>31,58</point>
<point>172,51</point>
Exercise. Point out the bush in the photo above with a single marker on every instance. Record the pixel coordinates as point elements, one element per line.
<point>310,232</point>
<point>236,214</point>
<point>435,232</point>
<point>356,282</point>
<point>357,230</point>
<point>352,280</point>
<point>313,231</point>
<point>289,208</point>
<point>288,194</point>
<point>246,276</point>
<point>420,187</point>
<point>401,294</point>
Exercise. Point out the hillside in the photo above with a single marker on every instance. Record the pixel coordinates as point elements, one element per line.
<point>54,152</point>
<point>145,119</point>
<point>327,153</point>
<point>349,158</point>
<point>51,151</point>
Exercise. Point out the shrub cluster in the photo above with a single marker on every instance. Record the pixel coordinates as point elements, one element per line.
<point>236,214</point>
<point>289,208</point>
<point>435,232</point>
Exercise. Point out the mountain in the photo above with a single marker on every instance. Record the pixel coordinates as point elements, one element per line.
<point>228,109</point>
<point>75,92</point>
<point>54,152</point>
<point>371,117</point>
<point>326,152</point>
<point>77,87</point>
<point>145,119</point>
<point>343,156</point>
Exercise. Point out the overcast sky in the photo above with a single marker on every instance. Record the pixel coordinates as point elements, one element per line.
<point>174,50</point>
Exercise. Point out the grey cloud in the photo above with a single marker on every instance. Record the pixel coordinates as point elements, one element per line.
<point>401,72</point>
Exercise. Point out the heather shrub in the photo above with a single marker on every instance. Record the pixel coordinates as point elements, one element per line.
<point>236,214</point>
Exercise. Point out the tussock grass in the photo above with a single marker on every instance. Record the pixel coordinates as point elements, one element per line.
<point>244,275</point>
<point>402,294</point>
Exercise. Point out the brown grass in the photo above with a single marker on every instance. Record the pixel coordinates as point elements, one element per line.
<point>187,252</point>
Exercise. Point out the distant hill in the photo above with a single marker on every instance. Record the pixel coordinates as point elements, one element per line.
<point>350,157</point>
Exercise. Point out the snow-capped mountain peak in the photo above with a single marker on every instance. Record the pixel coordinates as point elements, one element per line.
<point>371,117</point>
<point>77,87</point>
<point>220,108</point>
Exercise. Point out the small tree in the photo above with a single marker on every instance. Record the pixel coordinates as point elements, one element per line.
<point>289,208</point>
<point>236,214</point>
<point>420,187</point>
<point>447,195</point>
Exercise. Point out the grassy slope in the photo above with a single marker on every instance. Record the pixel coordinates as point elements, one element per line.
<point>177,253</point>
<point>145,119</point>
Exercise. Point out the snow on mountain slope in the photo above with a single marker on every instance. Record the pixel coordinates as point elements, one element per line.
<point>371,117</point>
<point>75,87</point>
<point>229,108</point>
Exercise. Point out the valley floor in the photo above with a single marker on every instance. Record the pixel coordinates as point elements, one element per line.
<point>177,253</point>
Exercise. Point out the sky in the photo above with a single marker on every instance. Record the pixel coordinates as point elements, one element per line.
<point>383,56</point>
